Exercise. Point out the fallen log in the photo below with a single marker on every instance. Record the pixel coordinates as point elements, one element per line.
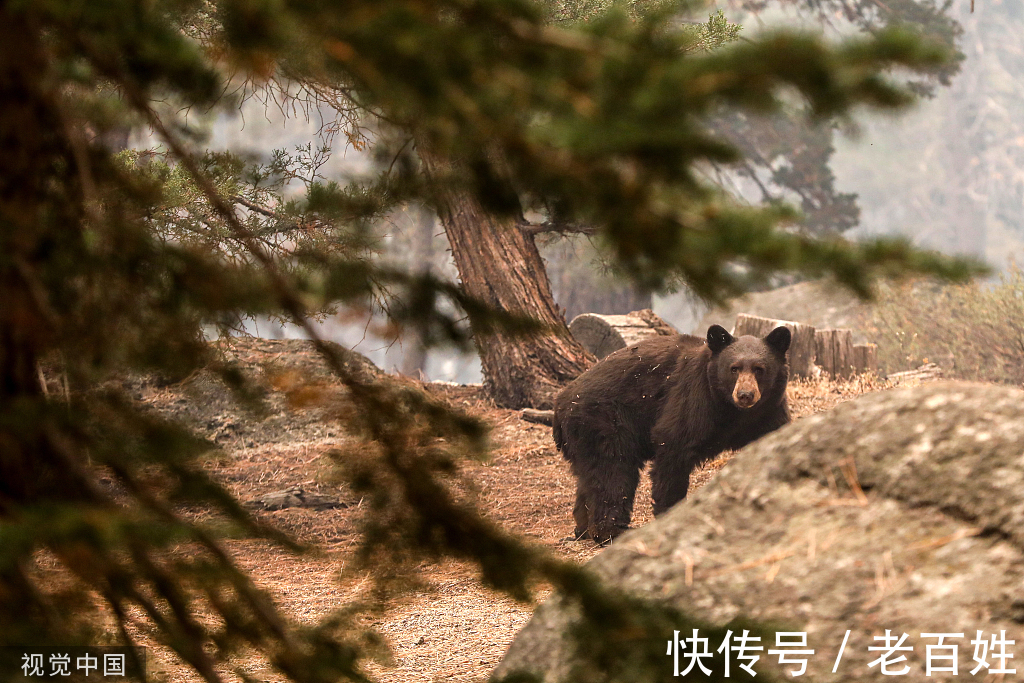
<point>928,371</point>
<point>544,417</point>
<point>295,497</point>
<point>601,334</point>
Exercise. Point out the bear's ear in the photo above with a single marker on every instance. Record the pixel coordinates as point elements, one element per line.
<point>778,340</point>
<point>719,338</point>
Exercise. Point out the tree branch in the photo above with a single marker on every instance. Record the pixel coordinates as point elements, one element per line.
<point>238,199</point>
<point>534,229</point>
<point>285,223</point>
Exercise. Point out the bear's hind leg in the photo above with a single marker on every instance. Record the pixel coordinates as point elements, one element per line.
<point>610,501</point>
<point>607,470</point>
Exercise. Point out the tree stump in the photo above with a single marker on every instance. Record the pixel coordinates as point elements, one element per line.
<point>602,334</point>
<point>801,350</point>
<point>834,351</point>
<point>865,358</point>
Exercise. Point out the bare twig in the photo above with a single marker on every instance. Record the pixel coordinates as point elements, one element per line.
<point>944,540</point>
<point>557,226</point>
<point>750,564</point>
<point>238,199</point>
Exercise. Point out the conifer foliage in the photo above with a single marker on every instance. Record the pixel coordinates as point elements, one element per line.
<point>108,265</point>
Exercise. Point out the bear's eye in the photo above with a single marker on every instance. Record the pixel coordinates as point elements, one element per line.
<point>735,369</point>
<point>758,371</point>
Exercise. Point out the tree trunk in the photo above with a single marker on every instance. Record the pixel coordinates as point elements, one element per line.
<point>499,264</point>
<point>32,456</point>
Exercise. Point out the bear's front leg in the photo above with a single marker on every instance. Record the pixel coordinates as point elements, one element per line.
<point>581,514</point>
<point>670,479</point>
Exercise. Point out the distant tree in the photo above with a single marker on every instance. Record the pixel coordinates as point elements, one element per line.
<point>112,264</point>
<point>785,157</point>
<point>963,189</point>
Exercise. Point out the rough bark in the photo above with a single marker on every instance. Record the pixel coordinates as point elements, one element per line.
<point>499,264</point>
<point>865,358</point>
<point>834,351</point>
<point>900,510</point>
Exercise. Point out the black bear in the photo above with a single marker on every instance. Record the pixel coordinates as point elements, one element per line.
<point>677,400</point>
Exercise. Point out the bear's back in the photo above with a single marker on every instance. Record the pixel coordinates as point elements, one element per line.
<point>637,366</point>
<point>651,357</point>
<point>625,388</point>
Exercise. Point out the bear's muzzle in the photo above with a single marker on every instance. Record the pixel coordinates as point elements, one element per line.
<point>746,393</point>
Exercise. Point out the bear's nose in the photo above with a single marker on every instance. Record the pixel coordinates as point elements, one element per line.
<point>745,398</point>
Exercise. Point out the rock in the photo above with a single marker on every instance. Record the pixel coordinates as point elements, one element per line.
<point>288,391</point>
<point>900,510</point>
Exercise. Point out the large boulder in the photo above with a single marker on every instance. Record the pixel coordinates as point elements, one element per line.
<point>899,511</point>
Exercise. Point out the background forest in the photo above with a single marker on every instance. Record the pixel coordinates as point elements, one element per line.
<point>947,174</point>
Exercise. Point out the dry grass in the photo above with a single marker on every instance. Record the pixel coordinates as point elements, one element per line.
<point>972,331</point>
<point>458,630</point>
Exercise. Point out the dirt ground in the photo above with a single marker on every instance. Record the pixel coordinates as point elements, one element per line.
<point>456,631</point>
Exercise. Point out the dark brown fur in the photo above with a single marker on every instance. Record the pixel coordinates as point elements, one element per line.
<point>679,401</point>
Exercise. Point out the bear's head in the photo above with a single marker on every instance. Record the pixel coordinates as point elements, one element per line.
<point>746,369</point>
